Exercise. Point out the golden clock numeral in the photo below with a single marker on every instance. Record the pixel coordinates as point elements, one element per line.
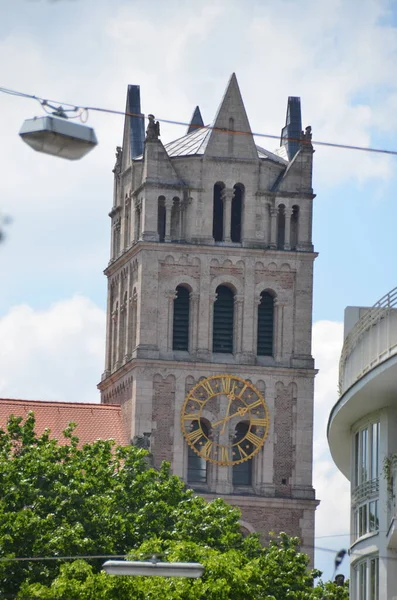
<point>207,386</point>
<point>206,449</point>
<point>254,439</point>
<point>242,390</point>
<point>243,454</point>
<point>255,404</point>
<point>191,417</point>
<point>259,422</point>
<point>193,436</point>
<point>224,455</point>
<point>225,385</point>
<point>194,399</point>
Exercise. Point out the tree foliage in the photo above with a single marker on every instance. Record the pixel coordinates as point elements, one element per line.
<point>66,500</point>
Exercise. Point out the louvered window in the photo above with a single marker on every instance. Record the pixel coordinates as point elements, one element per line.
<point>222,340</point>
<point>197,465</point>
<point>242,473</point>
<point>161,217</point>
<point>265,325</point>
<point>217,223</point>
<point>237,203</point>
<point>281,227</point>
<point>180,338</point>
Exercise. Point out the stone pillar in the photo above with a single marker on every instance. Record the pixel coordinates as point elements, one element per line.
<point>227,196</point>
<point>109,322</point>
<point>118,318</point>
<point>171,295</point>
<point>137,220</point>
<point>181,214</point>
<point>273,227</point>
<point>287,235</point>
<point>127,350</point>
<point>134,306</point>
<point>238,323</point>
<point>194,312</point>
<point>278,337</point>
<point>168,210</point>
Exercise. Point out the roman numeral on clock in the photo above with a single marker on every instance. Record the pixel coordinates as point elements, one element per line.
<point>254,439</point>
<point>255,404</point>
<point>243,454</point>
<point>193,436</point>
<point>206,449</point>
<point>191,416</point>
<point>259,422</point>
<point>207,386</point>
<point>225,458</point>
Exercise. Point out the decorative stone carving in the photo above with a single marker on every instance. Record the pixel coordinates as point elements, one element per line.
<point>119,158</point>
<point>153,129</point>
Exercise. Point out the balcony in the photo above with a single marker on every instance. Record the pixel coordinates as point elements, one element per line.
<point>372,341</point>
<point>367,373</point>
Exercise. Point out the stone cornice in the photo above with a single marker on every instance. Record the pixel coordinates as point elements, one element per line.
<point>233,250</point>
<point>211,367</point>
<point>270,194</point>
<point>264,501</point>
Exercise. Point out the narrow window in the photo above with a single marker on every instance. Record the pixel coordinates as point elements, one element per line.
<point>294,227</point>
<point>127,226</point>
<point>161,217</point>
<point>217,223</point>
<point>281,227</point>
<point>175,219</point>
<point>375,451</point>
<point>242,473</point>
<point>180,337</point>
<point>197,465</point>
<point>374,579</point>
<point>265,325</point>
<point>237,204</point>
<point>230,142</point>
<point>222,337</point>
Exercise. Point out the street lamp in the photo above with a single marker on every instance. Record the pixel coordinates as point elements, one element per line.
<point>54,134</point>
<point>153,568</point>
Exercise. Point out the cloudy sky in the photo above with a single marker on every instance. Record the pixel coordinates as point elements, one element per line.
<point>340,57</point>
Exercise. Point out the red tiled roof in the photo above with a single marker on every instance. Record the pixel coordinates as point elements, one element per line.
<point>94,421</point>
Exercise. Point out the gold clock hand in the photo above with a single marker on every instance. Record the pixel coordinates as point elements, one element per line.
<point>240,412</point>
<point>231,398</point>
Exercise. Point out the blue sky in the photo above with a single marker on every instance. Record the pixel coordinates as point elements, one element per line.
<point>340,57</point>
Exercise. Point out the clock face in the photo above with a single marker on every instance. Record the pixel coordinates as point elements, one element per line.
<point>225,419</point>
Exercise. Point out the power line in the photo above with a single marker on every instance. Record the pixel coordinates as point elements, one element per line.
<point>85,109</point>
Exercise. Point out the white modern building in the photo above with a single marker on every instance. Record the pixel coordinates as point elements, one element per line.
<point>362,435</point>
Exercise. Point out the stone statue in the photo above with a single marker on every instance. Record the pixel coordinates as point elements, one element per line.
<point>119,156</point>
<point>153,129</point>
<point>306,138</point>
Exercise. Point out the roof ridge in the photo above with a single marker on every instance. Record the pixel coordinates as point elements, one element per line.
<point>61,403</point>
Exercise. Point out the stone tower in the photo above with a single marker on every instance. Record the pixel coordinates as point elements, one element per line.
<point>211,276</point>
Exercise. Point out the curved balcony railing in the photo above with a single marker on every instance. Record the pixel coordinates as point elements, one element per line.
<point>372,340</point>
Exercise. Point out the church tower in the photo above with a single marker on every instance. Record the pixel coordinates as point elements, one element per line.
<point>209,313</point>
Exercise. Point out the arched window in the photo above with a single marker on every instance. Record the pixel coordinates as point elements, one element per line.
<point>237,205</point>
<point>294,227</point>
<point>161,217</point>
<point>242,472</point>
<point>197,465</point>
<point>217,223</point>
<point>222,333</point>
<point>265,325</point>
<point>180,333</point>
<point>281,227</point>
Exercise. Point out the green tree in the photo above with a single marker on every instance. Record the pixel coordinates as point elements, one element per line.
<point>60,500</point>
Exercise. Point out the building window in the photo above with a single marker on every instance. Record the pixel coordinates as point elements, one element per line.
<point>265,325</point>
<point>197,465</point>
<point>242,473</point>
<point>222,336</point>
<point>281,227</point>
<point>366,454</point>
<point>180,333</point>
<point>366,579</point>
<point>294,227</point>
<point>161,218</point>
<point>237,206</point>
<point>366,518</point>
<point>217,223</point>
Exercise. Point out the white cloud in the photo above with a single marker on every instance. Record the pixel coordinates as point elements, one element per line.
<point>54,354</point>
<point>332,488</point>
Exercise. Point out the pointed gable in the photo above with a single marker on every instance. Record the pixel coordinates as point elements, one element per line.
<point>231,116</point>
<point>196,121</point>
<point>157,166</point>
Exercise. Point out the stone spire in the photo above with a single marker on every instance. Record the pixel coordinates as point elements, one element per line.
<point>196,121</point>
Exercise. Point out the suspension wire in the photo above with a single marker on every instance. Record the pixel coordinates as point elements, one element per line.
<point>85,110</point>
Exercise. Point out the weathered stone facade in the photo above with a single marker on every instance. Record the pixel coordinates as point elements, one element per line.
<point>163,237</point>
